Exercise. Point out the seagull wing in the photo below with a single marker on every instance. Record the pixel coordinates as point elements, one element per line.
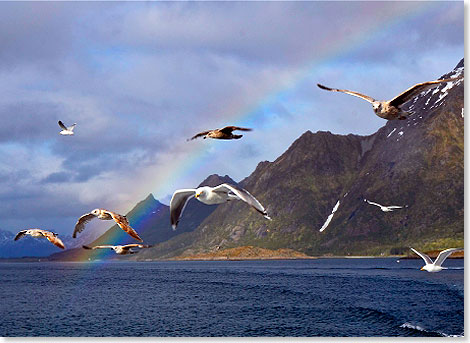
<point>135,245</point>
<point>123,223</point>
<point>62,126</point>
<point>244,195</point>
<point>53,239</point>
<point>71,127</point>
<point>413,91</point>
<point>229,129</point>
<point>373,203</point>
<point>20,234</point>
<point>359,95</point>
<point>425,257</point>
<point>391,207</point>
<point>200,134</point>
<point>80,225</point>
<point>98,247</point>
<point>178,203</point>
<point>444,254</point>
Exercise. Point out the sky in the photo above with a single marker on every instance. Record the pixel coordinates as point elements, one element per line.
<point>139,78</point>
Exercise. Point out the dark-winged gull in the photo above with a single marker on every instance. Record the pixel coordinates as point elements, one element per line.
<point>434,267</point>
<point>211,196</point>
<point>391,109</point>
<point>102,214</point>
<point>224,133</point>
<point>120,249</point>
<point>37,233</point>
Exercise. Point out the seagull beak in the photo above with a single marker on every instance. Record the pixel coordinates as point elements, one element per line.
<point>422,268</point>
<point>197,195</point>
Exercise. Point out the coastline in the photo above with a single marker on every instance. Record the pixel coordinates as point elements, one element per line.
<point>244,253</point>
<point>183,259</point>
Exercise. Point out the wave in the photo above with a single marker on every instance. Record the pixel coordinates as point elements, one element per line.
<point>370,314</point>
<point>421,329</point>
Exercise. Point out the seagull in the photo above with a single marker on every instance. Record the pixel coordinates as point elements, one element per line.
<point>120,220</point>
<point>36,233</point>
<point>384,208</point>
<point>391,109</point>
<point>211,196</point>
<point>436,266</point>
<point>119,249</point>
<point>66,131</point>
<point>224,133</point>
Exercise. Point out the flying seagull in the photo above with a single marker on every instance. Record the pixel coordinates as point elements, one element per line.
<point>119,249</point>
<point>384,208</point>
<point>120,220</point>
<point>66,131</point>
<point>436,266</point>
<point>224,133</point>
<point>211,196</point>
<point>37,233</point>
<point>391,109</point>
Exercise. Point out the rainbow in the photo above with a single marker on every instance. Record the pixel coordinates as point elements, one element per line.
<point>332,49</point>
<point>138,219</point>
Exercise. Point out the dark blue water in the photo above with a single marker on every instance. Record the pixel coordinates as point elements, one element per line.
<point>324,297</point>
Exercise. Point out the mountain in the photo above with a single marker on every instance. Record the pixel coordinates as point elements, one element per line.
<point>27,246</point>
<point>417,163</point>
<point>151,219</point>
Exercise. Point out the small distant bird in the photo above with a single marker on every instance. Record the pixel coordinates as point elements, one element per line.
<point>384,208</point>
<point>391,109</point>
<point>120,249</point>
<point>37,233</point>
<point>224,133</point>
<point>434,267</point>
<point>66,131</point>
<point>211,196</point>
<point>102,214</point>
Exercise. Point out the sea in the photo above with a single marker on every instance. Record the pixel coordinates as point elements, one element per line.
<point>327,297</point>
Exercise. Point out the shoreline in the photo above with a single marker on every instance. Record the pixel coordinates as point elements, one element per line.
<point>184,259</point>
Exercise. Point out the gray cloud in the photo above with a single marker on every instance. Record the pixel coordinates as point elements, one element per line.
<point>23,121</point>
<point>39,33</point>
<point>140,78</point>
<point>57,177</point>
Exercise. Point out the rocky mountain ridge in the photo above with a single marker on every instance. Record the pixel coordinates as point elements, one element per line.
<point>316,191</point>
<point>416,163</point>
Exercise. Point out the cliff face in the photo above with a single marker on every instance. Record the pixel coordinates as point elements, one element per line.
<point>416,163</point>
<point>419,163</point>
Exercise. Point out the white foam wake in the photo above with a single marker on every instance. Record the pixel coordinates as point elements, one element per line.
<point>420,328</point>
